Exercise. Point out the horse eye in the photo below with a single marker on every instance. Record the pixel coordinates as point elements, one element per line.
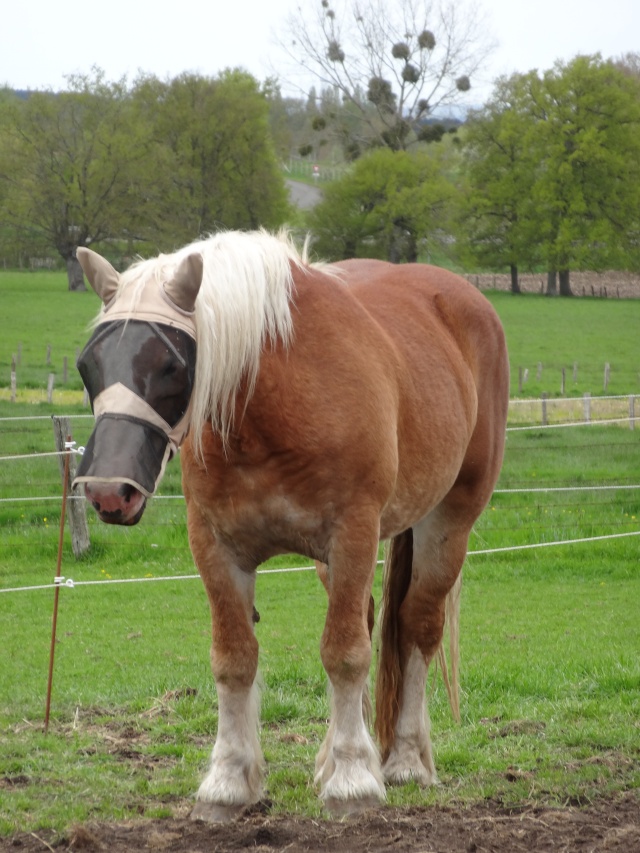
<point>169,369</point>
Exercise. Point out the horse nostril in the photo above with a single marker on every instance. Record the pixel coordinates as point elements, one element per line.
<point>127,492</point>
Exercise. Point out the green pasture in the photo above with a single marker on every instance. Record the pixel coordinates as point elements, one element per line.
<point>550,636</point>
<point>38,312</point>
<point>550,648</point>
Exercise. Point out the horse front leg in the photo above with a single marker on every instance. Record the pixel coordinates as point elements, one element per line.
<point>348,763</point>
<point>234,778</point>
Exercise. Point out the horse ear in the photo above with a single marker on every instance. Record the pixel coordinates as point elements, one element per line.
<point>183,288</point>
<point>101,275</point>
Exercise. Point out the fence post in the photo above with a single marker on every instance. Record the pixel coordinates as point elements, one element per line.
<point>586,406</point>
<point>50,384</point>
<point>14,379</point>
<point>76,508</point>
<point>543,400</point>
<point>607,374</point>
<point>564,377</point>
<point>632,412</point>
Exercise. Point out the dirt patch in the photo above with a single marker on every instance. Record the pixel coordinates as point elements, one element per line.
<point>607,825</point>
<point>612,285</point>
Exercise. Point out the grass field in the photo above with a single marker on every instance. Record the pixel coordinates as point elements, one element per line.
<point>38,312</point>
<point>550,637</point>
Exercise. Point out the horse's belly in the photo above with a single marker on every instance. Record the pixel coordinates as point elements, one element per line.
<point>404,511</point>
<point>424,478</point>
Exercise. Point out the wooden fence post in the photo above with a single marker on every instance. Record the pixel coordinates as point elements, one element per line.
<point>586,406</point>
<point>543,400</point>
<point>632,412</point>
<point>76,508</point>
<point>14,379</point>
<point>562,384</point>
<point>607,374</point>
<point>50,384</point>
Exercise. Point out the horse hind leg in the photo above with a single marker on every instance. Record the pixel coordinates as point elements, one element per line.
<point>413,623</point>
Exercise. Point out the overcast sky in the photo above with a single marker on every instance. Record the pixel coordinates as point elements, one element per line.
<point>44,40</point>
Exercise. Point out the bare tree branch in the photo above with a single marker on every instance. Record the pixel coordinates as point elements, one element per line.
<point>397,63</point>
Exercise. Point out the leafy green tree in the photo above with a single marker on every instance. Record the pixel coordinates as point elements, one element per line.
<point>496,221</point>
<point>588,181</point>
<point>553,171</point>
<point>391,205</point>
<point>395,64</point>
<point>224,172</point>
<point>75,167</point>
<point>161,163</point>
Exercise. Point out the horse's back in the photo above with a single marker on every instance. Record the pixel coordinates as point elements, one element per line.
<point>453,379</point>
<point>398,296</point>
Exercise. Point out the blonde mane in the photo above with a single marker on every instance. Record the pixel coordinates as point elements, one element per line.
<point>243,303</point>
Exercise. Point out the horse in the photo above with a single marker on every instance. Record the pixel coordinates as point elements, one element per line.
<point>318,409</point>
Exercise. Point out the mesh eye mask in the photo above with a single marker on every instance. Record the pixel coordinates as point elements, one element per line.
<point>138,368</point>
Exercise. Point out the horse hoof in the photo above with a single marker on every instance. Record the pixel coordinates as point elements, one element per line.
<point>215,813</point>
<point>350,808</point>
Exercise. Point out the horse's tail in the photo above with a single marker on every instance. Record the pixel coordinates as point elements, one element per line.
<point>395,583</point>
<point>450,675</point>
<point>396,580</point>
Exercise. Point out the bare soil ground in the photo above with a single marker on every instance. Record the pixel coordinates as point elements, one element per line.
<point>613,285</point>
<point>611,824</point>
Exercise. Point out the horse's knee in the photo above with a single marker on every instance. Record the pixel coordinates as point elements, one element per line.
<point>346,653</point>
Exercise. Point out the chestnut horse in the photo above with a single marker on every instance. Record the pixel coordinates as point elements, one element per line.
<point>329,407</point>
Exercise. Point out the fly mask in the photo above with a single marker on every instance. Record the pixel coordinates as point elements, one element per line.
<point>138,368</point>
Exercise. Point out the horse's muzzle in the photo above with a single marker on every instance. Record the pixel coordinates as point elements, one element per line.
<point>116,503</point>
<point>121,467</point>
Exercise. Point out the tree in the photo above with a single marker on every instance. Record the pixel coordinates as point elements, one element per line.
<point>588,181</point>
<point>223,169</point>
<point>396,65</point>
<point>391,205</point>
<point>553,166</point>
<point>629,64</point>
<point>76,167</point>
<point>496,220</point>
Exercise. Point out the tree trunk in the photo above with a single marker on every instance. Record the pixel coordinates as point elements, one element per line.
<point>515,284</point>
<point>412,248</point>
<point>75,274</point>
<point>395,246</point>
<point>552,287</point>
<point>565,287</point>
